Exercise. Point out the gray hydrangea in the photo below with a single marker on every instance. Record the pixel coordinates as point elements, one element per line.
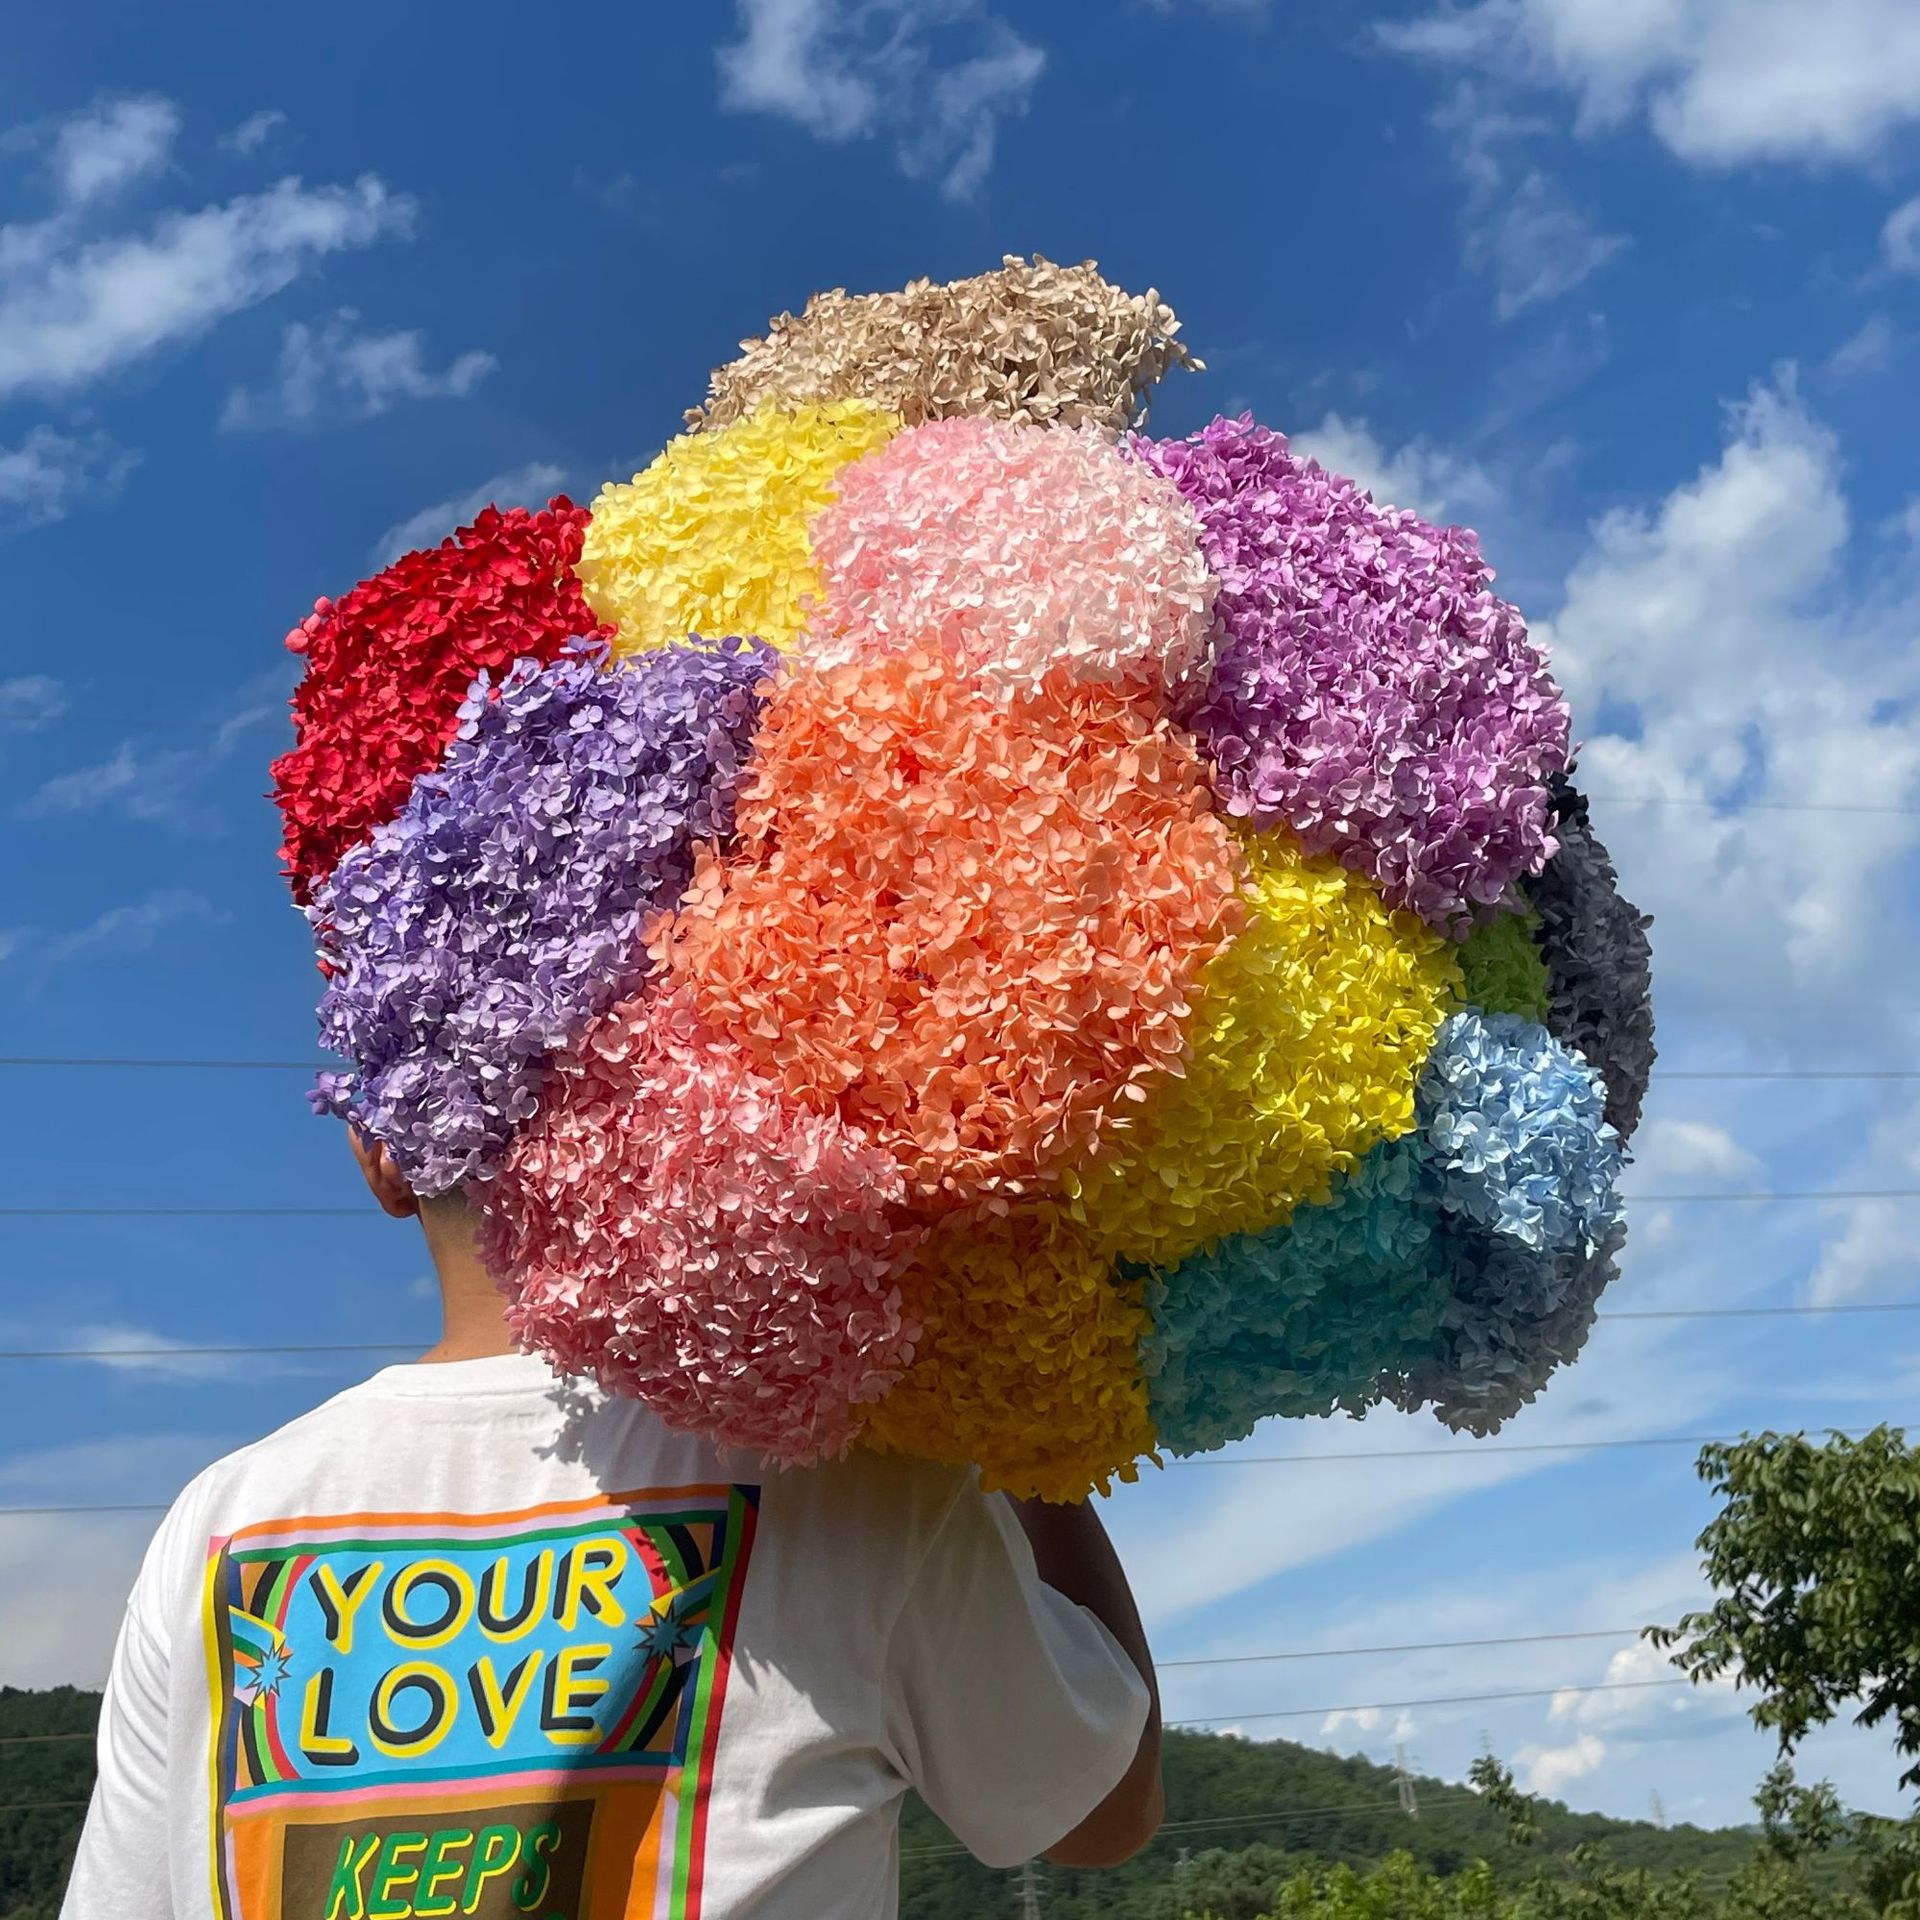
<point>1599,960</point>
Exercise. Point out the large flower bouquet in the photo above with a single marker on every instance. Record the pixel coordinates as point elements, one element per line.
<point>930,919</point>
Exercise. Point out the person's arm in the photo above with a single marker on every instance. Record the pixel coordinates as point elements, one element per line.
<point>1076,1559</point>
<point>1014,1709</point>
<point>120,1868</point>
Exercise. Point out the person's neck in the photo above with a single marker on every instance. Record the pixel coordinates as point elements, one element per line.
<point>473,1320</point>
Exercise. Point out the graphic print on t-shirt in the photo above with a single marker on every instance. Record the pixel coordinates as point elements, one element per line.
<point>500,1717</point>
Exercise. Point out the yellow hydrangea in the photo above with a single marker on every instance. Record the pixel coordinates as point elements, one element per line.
<point>1308,1036</point>
<point>713,537</point>
<point>1028,1363</point>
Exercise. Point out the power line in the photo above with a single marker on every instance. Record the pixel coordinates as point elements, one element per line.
<point>202,1353</point>
<point>69,1512</point>
<point>1285,1817</point>
<point>1412,1646</point>
<point>102,1060</point>
<point>1217,1660</point>
<point>191,1213</point>
<point>1757,1313</point>
<point>372,1213</point>
<point>1476,1450</point>
<point>1441,1700</point>
<point>411,1346</point>
<point>168,1063</point>
<point>1856,1193</point>
<point>1737,807</point>
<point>76,1511</point>
<point>1786,1073</point>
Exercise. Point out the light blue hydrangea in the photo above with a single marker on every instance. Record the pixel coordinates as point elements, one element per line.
<point>1514,1134</point>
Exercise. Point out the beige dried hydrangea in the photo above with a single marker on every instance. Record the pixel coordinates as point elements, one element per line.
<point>1032,341</point>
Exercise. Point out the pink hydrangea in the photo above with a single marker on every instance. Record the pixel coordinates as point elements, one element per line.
<point>671,1224</point>
<point>1018,548</point>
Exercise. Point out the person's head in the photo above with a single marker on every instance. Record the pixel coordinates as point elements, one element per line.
<point>450,1222</point>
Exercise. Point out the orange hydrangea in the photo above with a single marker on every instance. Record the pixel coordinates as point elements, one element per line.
<point>971,922</point>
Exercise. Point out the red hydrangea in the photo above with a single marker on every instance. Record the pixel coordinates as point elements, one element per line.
<point>389,664</point>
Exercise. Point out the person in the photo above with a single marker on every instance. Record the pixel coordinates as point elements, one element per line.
<point>471,1639</point>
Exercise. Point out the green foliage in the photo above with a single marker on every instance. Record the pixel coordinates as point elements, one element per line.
<point>1796,1820</point>
<point>1401,1889</point>
<point>36,1845</point>
<point>1494,1784</point>
<point>1812,1555</point>
<point>1261,1803</point>
<point>1261,1850</point>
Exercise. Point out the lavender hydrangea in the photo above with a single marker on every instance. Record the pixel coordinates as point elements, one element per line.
<point>502,910</point>
<point>1514,1135</point>
<point>1599,960</point>
<point>1370,692</point>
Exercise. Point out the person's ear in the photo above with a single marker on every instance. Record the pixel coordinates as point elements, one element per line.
<point>383,1178</point>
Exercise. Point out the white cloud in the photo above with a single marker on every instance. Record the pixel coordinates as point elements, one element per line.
<point>1669,1152</point>
<point>254,131</point>
<point>1870,1252</point>
<point>56,1630</point>
<point>1219,1538</point>
<point>932,77</point>
<point>1389,1724</point>
<point>1900,237</point>
<point>529,485</point>
<point>49,473</point>
<point>73,310</point>
<point>156,784</point>
<point>1643,1704</point>
<point>1738,670</point>
<point>1719,81</point>
<point>1546,1770</point>
<point>1436,484</point>
<point>108,147</point>
<point>121,1348</point>
<point>1868,350</point>
<point>337,371</point>
<point>134,928</point>
<point>1521,227</point>
<point>29,701</point>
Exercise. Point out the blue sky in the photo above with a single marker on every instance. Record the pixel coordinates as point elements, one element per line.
<point>1633,289</point>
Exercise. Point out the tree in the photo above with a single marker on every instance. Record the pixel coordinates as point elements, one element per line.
<point>1815,1558</point>
<point>1494,1783</point>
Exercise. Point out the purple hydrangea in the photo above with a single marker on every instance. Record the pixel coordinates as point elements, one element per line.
<point>477,933</point>
<point>1370,693</point>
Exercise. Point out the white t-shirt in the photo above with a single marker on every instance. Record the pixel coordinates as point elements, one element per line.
<point>465,1642</point>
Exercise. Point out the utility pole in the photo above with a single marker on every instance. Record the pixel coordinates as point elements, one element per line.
<point>1029,1892</point>
<point>1409,1799</point>
<point>1658,1808</point>
<point>1182,1882</point>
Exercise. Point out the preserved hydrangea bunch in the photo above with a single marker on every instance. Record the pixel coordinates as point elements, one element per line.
<point>389,665</point>
<point>626,1205</point>
<point>477,933</point>
<point>1017,549</point>
<point>1371,694</point>
<point>1104,951</point>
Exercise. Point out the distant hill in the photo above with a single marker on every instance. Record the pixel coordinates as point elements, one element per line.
<point>1265,1804</point>
<point>1264,1800</point>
